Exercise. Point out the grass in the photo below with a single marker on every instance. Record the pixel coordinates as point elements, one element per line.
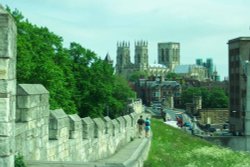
<point>172,147</point>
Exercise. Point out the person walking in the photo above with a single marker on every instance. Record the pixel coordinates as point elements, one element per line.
<point>147,127</point>
<point>140,125</point>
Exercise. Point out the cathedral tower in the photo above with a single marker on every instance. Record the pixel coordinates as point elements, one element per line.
<point>169,54</point>
<point>141,55</point>
<point>123,56</point>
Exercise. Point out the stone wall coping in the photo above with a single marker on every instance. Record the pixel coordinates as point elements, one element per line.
<point>107,119</point>
<point>31,89</point>
<point>87,120</point>
<point>99,123</point>
<point>74,117</point>
<point>58,113</point>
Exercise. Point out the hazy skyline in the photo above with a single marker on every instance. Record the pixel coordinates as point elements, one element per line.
<point>203,27</point>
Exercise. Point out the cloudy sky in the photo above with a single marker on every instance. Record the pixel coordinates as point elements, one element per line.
<point>203,27</point>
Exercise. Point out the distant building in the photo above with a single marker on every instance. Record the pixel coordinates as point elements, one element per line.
<point>169,54</point>
<point>158,90</point>
<point>125,67</point>
<point>239,52</point>
<point>214,116</point>
<point>108,59</point>
<point>191,71</point>
<point>211,70</point>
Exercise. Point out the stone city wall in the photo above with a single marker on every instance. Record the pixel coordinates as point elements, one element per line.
<point>52,135</point>
<point>7,88</point>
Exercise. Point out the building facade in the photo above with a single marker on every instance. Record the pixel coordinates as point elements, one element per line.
<point>239,52</point>
<point>168,58</point>
<point>169,54</point>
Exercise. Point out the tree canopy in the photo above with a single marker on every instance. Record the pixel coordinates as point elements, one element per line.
<point>77,79</point>
<point>214,98</point>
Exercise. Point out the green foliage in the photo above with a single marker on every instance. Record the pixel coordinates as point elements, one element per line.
<point>214,98</point>
<point>78,81</point>
<point>137,75</point>
<point>172,76</point>
<point>174,148</point>
<point>19,162</point>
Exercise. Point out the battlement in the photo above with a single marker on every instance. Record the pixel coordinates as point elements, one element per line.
<point>141,43</point>
<point>52,135</point>
<point>123,44</point>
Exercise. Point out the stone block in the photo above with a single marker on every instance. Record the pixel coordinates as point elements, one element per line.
<point>7,128</point>
<point>58,119</point>
<point>88,128</point>
<point>28,114</point>
<point>99,127</point>
<point>133,119</point>
<point>7,36</point>
<point>31,89</point>
<point>127,119</point>
<point>121,121</point>
<point>108,125</point>
<point>29,101</point>
<point>116,127</point>
<point>75,126</point>
<point>7,146</point>
<point>4,109</point>
<point>8,86</point>
<point>7,69</point>
<point>75,122</point>
<point>7,161</point>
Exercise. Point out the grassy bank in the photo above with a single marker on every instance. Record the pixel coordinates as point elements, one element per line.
<point>172,147</point>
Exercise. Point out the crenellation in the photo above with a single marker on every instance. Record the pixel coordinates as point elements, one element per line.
<point>121,122</point>
<point>88,128</point>
<point>116,127</point>
<point>99,127</point>
<point>108,125</point>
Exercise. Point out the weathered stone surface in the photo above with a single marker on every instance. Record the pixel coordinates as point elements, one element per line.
<point>121,121</point>
<point>75,130</point>
<point>6,146</point>
<point>6,129</point>
<point>88,128</point>
<point>116,127</point>
<point>127,119</point>
<point>108,125</point>
<point>99,127</point>
<point>7,35</point>
<point>8,86</point>
<point>133,119</point>
<point>31,89</point>
<point>58,121</point>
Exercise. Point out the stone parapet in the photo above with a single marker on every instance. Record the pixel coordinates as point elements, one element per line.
<point>88,128</point>
<point>99,127</point>
<point>75,127</point>
<point>7,88</point>
<point>108,125</point>
<point>58,124</point>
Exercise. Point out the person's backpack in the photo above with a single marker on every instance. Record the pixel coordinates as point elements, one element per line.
<point>147,123</point>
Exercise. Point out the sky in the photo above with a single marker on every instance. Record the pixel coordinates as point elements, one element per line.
<point>202,27</point>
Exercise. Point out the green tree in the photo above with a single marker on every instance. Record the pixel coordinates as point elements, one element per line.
<point>78,81</point>
<point>137,75</point>
<point>214,98</point>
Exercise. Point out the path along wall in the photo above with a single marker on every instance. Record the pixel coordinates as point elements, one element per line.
<point>43,134</point>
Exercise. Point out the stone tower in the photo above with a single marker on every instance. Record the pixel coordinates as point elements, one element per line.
<point>108,59</point>
<point>7,88</point>
<point>141,55</point>
<point>123,56</point>
<point>169,54</point>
